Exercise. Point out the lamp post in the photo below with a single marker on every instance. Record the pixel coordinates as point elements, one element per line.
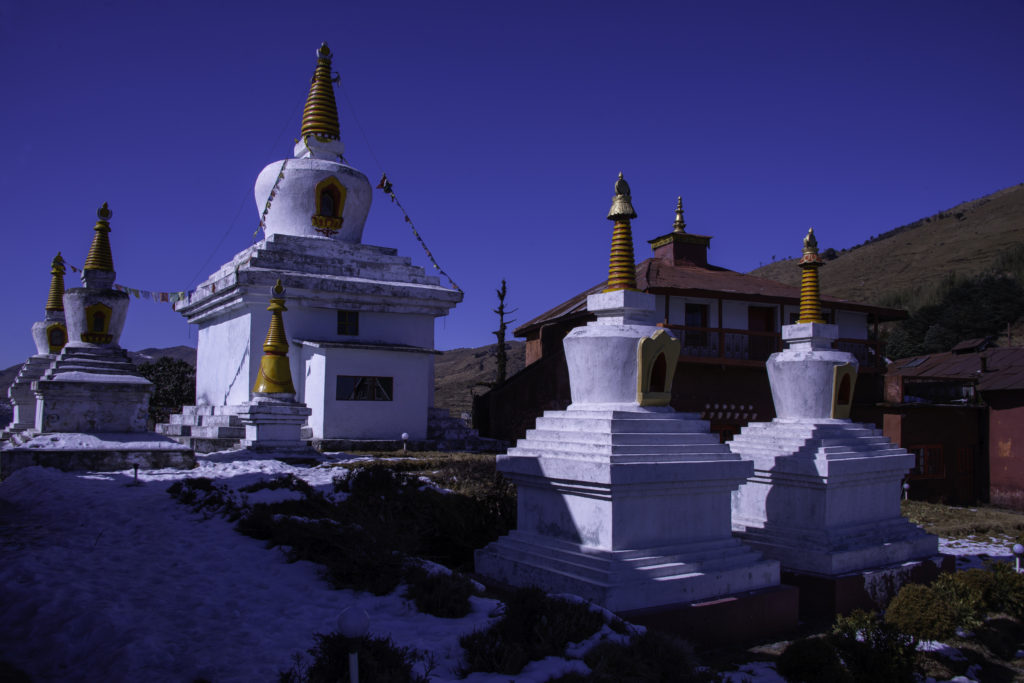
<point>906,490</point>
<point>353,623</point>
<point>1018,550</point>
<point>405,439</point>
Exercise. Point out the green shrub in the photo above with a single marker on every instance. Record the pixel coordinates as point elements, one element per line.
<point>653,657</point>
<point>872,649</point>
<point>1001,587</point>
<point>964,600</point>
<point>916,610</point>
<point>380,660</point>
<point>534,626</point>
<point>441,594</point>
<point>812,660</point>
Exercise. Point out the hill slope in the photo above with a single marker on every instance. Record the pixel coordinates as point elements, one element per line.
<point>904,266</point>
<point>458,372</point>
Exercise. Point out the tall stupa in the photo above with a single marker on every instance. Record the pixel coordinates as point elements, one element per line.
<point>361,320</point>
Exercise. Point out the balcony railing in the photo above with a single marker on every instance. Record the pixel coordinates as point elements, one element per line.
<point>748,345</point>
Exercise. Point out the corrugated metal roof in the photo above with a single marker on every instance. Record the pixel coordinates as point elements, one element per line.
<point>1004,368</point>
<point>661,277</point>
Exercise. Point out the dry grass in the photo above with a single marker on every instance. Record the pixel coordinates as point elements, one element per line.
<point>957,522</point>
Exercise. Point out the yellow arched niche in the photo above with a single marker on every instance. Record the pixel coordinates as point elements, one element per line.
<point>56,337</point>
<point>656,359</point>
<point>97,324</point>
<point>330,197</point>
<point>844,377</point>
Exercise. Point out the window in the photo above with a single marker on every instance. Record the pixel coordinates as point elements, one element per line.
<point>696,316</point>
<point>929,463</point>
<point>348,322</point>
<point>99,322</point>
<point>351,388</point>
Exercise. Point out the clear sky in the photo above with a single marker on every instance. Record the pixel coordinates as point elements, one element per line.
<point>503,127</point>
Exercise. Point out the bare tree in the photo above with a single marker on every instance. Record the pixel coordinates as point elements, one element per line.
<point>502,359</point>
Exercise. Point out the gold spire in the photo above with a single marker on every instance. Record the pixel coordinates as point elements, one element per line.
<point>810,296</point>
<point>55,301</point>
<point>99,257</point>
<point>275,374</point>
<point>320,117</point>
<point>621,266</point>
<point>679,225</point>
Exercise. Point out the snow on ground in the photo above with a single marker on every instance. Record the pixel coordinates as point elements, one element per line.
<point>104,580</point>
<point>973,552</point>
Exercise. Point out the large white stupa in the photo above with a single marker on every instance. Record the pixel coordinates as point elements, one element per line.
<point>361,317</point>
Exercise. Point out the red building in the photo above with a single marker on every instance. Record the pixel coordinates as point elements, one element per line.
<point>962,413</point>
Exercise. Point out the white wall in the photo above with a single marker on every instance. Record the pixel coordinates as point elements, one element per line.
<point>225,367</point>
<point>312,384</point>
<point>321,324</point>
<point>852,325</point>
<point>406,412</point>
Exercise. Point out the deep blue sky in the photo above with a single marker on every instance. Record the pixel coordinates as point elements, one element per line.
<point>503,127</point>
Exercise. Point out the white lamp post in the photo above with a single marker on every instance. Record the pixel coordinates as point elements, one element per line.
<point>405,438</point>
<point>353,623</point>
<point>906,490</point>
<point>1018,550</point>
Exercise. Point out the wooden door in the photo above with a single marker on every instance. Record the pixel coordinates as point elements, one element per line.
<point>761,319</point>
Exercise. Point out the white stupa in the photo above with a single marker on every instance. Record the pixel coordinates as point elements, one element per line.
<point>825,495</point>
<point>49,334</point>
<point>361,317</point>
<point>91,403</point>
<point>621,499</point>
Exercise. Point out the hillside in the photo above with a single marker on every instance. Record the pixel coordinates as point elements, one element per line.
<point>458,372</point>
<point>904,266</point>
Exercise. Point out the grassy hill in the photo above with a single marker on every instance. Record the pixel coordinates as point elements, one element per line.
<point>459,373</point>
<point>905,267</point>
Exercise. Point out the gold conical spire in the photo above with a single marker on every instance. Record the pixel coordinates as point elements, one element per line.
<point>99,257</point>
<point>621,266</point>
<point>679,225</point>
<point>275,374</point>
<point>320,117</point>
<point>55,301</point>
<point>810,296</point>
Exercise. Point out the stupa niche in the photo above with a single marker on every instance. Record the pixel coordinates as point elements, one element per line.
<point>361,317</point>
<point>91,404</point>
<point>825,495</point>
<point>621,499</point>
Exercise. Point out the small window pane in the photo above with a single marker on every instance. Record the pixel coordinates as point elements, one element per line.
<point>348,322</point>
<point>351,388</point>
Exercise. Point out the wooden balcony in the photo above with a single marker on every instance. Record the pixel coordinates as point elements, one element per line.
<point>747,347</point>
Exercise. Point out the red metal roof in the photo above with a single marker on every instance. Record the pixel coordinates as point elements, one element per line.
<point>661,277</point>
<point>1004,368</point>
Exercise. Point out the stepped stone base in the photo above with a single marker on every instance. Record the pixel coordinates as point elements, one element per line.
<point>102,452</point>
<point>824,498</point>
<point>273,422</point>
<point>23,400</point>
<point>628,507</point>
<point>206,428</point>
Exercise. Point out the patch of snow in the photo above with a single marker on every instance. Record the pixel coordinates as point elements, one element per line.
<point>762,672</point>
<point>940,648</point>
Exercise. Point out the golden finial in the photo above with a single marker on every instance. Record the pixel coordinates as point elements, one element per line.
<point>55,301</point>
<point>810,296</point>
<point>679,225</point>
<point>275,374</point>
<point>621,266</point>
<point>99,257</point>
<point>320,117</point>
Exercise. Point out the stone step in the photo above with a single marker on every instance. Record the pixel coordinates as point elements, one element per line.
<point>173,429</point>
<point>202,432</point>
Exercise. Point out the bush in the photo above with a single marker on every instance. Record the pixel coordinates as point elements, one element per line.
<point>1000,586</point>
<point>872,649</point>
<point>174,385</point>
<point>649,658</point>
<point>812,660</point>
<point>534,626</point>
<point>916,610</point>
<point>380,660</point>
<point>441,594</point>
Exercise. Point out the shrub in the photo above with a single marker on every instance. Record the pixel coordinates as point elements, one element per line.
<point>441,594</point>
<point>812,660</point>
<point>534,626</point>
<point>1001,588</point>
<point>916,610</point>
<point>653,657</point>
<point>174,385</point>
<point>872,649</point>
<point>380,660</point>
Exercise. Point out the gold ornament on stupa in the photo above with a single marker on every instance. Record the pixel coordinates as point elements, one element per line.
<point>621,266</point>
<point>55,300</point>
<point>275,374</point>
<point>679,225</point>
<point>810,295</point>
<point>99,257</point>
<point>320,117</point>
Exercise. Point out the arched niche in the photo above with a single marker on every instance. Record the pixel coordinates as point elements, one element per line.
<point>330,197</point>
<point>656,358</point>
<point>844,378</point>
<point>56,337</point>
<point>97,324</point>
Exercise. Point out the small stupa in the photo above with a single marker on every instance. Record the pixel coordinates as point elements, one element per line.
<point>91,403</point>
<point>273,419</point>
<point>825,495</point>
<point>621,499</point>
<point>49,334</point>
